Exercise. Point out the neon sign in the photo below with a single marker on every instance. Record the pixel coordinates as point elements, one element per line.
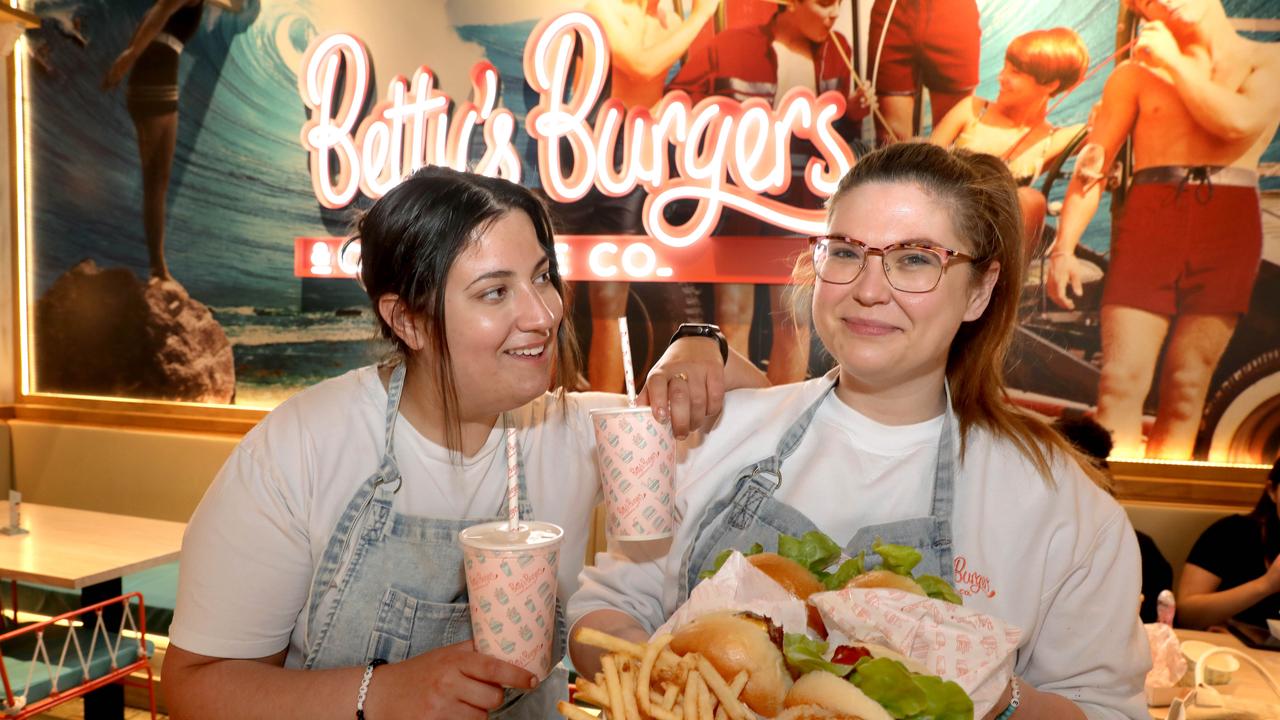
<point>727,154</point>
<point>405,132</point>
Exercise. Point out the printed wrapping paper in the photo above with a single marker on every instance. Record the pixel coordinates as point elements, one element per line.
<point>739,587</point>
<point>973,649</point>
<point>1167,662</point>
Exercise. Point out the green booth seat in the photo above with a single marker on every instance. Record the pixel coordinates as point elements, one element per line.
<point>158,585</point>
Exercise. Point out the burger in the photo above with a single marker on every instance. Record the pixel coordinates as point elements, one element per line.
<point>853,682</point>
<point>741,642</point>
<point>795,579</point>
<point>866,682</point>
<point>804,566</point>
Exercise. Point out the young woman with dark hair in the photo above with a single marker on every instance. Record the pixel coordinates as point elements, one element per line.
<point>1232,569</point>
<point>328,541</point>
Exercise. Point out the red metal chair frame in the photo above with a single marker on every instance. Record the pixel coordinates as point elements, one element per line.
<point>119,675</point>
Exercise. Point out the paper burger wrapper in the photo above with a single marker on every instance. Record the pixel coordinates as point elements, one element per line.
<point>1168,664</point>
<point>974,650</point>
<point>739,587</point>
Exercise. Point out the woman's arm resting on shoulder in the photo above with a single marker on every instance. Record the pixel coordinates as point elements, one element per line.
<point>688,383</point>
<point>1200,605</point>
<point>586,658</point>
<point>450,682</point>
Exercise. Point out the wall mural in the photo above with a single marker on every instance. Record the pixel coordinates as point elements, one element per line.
<point>194,169</point>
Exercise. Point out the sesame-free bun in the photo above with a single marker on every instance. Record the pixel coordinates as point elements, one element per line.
<point>812,712</point>
<point>797,580</point>
<point>885,579</point>
<point>734,644</point>
<point>834,693</point>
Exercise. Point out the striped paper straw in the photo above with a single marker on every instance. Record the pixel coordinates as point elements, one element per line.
<point>626,361</point>
<point>513,482</point>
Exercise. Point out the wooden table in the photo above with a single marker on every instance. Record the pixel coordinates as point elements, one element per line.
<point>90,552</point>
<point>1246,681</point>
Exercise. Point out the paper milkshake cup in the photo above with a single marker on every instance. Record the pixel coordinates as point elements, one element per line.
<point>511,586</point>
<point>638,471</point>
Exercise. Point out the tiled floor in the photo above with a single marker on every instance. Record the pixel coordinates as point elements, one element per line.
<point>74,710</point>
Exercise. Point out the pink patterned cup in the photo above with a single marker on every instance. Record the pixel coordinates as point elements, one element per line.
<point>638,469</point>
<point>511,583</point>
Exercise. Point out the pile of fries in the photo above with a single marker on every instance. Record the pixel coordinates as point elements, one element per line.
<point>650,682</point>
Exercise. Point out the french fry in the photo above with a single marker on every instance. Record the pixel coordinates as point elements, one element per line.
<point>705,711</point>
<point>669,697</point>
<point>646,668</point>
<point>592,693</point>
<point>657,713</point>
<point>732,707</point>
<point>720,714</point>
<point>738,683</point>
<point>691,696</point>
<point>614,685</point>
<point>629,694</point>
<point>605,641</point>
<point>573,712</point>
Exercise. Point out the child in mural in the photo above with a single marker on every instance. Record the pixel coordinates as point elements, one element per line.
<point>1201,104</point>
<point>797,47</point>
<point>935,44</point>
<point>151,62</point>
<point>1014,127</point>
<point>392,462</point>
<point>645,40</point>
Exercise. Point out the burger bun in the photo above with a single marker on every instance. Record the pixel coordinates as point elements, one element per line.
<point>734,644</point>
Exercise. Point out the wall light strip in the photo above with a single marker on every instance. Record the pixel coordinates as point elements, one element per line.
<point>1189,463</point>
<point>21,183</point>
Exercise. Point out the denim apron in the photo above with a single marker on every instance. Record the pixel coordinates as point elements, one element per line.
<point>391,585</point>
<point>750,514</point>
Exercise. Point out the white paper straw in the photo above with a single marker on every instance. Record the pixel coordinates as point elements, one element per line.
<point>513,482</point>
<point>626,361</point>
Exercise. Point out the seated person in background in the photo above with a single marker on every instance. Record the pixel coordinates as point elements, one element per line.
<point>1094,441</point>
<point>1015,127</point>
<point>1232,569</point>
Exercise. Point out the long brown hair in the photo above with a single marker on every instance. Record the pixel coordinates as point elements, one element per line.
<point>410,239</point>
<point>983,202</point>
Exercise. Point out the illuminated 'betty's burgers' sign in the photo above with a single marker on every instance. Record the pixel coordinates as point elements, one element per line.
<point>727,154</point>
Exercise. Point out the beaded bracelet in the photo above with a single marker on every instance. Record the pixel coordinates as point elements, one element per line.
<point>1014,701</point>
<point>364,686</point>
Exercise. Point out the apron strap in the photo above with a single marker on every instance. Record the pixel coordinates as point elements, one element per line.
<point>944,480</point>
<point>395,388</point>
<point>795,433</point>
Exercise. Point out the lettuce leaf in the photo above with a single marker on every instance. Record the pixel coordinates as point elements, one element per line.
<point>723,557</point>
<point>814,550</point>
<point>899,559</point>
<point>806,655</point>
<point>945,699</point>
<point>908,696</point>
<point>889,683</point>
<point>939,589</point>
<point>847,571</point>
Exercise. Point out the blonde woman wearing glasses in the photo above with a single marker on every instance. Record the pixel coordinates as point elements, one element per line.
<point>913,292</point>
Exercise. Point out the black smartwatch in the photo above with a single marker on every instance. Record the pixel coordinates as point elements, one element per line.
<point>705,330</point>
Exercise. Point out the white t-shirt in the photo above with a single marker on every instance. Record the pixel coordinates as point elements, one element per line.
<point>1060,563</point>
<point>255,540</point>
<point>795,69</point>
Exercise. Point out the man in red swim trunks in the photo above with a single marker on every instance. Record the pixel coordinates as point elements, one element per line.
<point>931,43</point>
<point>1201,104</point>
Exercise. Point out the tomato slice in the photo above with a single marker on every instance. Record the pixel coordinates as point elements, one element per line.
<point>849,655</point>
